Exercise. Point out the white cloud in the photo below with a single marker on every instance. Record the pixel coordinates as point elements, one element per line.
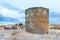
<point>12,14</point>
<point>24,4</point>
<point>53,6</point>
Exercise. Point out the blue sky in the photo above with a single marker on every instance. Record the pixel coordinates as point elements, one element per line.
<point>12,11</point>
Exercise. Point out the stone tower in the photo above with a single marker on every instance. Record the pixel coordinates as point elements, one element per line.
<point>37,19</point>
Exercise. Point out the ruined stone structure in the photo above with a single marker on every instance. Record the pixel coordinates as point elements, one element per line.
<point>37,19</point>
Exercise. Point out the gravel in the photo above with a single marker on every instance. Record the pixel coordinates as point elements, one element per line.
<point>23,35</point>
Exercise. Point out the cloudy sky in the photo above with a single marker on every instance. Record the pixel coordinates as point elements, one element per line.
<point>12,11</point>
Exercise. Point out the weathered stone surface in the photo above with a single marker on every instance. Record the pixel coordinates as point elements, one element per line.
<point>37,19</point>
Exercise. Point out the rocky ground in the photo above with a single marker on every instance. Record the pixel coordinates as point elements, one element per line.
<point>23,35</point>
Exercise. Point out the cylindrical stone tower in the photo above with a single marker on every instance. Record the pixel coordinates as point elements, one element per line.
<point>37,19</point>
